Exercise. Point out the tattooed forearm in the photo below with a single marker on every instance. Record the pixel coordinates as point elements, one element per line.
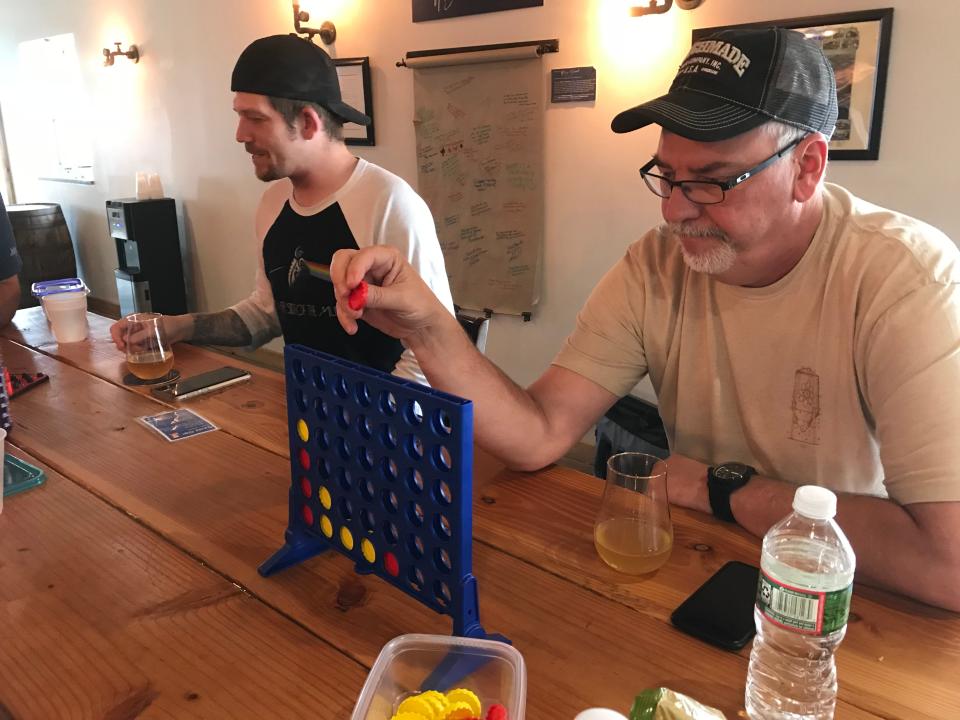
<point>220,328</point>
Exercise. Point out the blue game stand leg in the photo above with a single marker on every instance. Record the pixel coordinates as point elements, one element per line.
<point>298,546</point>
<point>466,623</point>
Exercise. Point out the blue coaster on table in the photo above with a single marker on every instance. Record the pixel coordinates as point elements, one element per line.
<point>19,475</point>
<point>381,471</point>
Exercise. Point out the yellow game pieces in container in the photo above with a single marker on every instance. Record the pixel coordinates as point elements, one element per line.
<point>496,689</point>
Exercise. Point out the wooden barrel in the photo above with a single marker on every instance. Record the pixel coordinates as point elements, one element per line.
<point>43,242</point>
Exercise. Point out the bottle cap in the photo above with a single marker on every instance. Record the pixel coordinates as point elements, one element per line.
<point>815,502</point>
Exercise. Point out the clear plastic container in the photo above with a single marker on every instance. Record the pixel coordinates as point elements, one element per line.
<point>410,664</point>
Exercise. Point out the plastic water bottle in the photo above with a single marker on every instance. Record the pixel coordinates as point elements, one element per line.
<point>803,600</point>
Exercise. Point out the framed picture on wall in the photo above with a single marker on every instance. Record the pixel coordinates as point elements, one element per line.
<point>424,10</point>
<point>858,46</point>
<point>354,76</point>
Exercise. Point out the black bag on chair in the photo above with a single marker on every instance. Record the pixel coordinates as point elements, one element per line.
<point>632,425</point>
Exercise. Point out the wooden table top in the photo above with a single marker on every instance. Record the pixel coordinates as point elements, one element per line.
<point>208,510</point>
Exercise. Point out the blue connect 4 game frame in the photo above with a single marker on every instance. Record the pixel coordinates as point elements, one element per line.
<point>381,471</point>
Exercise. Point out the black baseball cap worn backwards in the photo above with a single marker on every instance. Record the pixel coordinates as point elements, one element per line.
<point>737,80</point>
<point>288,66</point>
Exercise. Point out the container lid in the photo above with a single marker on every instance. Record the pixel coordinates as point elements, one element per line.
<point>815,502</point>
<point>53,287</point>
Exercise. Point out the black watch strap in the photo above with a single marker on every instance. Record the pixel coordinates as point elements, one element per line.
<point>722,481</point>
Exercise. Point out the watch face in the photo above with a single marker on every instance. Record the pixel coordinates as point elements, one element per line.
<point>732,471</point>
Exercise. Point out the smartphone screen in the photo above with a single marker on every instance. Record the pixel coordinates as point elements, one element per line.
<point>203,382</point>
<point>721,610</point>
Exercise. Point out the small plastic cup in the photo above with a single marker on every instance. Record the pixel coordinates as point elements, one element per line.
<point>411,664</point>
<point>67,312</point>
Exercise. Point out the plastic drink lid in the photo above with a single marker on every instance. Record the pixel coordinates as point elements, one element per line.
<point>815,502</point>
<point>54,287</point>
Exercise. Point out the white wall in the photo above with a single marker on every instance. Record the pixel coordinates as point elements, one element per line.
<point>171,114</point>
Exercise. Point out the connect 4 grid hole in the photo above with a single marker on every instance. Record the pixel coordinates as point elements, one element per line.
<point>390,502</point>
<point>441,558</point>
<point>389,436</point>
<point>441,423</point>
<point>319,379</point>
<point>414,447</point>
<point>415,546</point>
<point>363,394</point>
<point>415,578</point>
<point>298,372</point>
<point>413,412</point>
<point>442,592</point>
<point>390,533</point>
<point>368,490</point>
<point>366,458</point>
<point>320,409</point>
<point>388,403</point>
<point>442,493</point>
<point>442,527</point>
<point>415,481</point>
<point>415,513</point>
<point>364,426</point>
<point>390,469</point>
<point>442,458</point>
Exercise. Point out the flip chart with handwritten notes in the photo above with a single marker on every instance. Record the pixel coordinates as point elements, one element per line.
<point>479,129</point>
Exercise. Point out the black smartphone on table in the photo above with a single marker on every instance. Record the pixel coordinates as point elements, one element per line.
<point>721,610</point>
<point>202,383</point>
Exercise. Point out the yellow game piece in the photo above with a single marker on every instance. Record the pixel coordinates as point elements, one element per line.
<point>418,705</point>
<point>409,716</point>
<point>302,430</point>
<point>325,498</point>
<point>438,701</point>
<point>462,695</point>
<point>459,711</point>
<point>369,553</point>
<point>326,527</point>
<point>346,537</point>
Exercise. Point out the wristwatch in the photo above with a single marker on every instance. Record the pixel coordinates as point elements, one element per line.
<point>722,481</point>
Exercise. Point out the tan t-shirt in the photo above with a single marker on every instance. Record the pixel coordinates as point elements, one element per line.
<point>844,373</point>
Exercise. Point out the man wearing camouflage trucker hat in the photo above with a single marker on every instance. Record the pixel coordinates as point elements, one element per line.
<point>793,333</point>
<point>290,119</point>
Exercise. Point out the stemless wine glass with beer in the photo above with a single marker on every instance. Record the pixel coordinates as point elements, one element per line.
<point>149,355</point>
<point>633,532</point>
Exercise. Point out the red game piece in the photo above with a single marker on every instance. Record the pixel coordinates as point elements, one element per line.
<point>358,296</point>
<point>390,564</point>
<point>497,712</point>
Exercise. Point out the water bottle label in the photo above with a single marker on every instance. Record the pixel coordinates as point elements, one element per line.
<point>805,611</point>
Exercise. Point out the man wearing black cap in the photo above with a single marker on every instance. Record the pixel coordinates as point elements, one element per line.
<point>794,333</point>
<point>290,117</point>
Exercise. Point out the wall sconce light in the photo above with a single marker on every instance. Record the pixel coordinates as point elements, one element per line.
<point>108,55</point>
<point>327,31</point>
<point>658,8</point>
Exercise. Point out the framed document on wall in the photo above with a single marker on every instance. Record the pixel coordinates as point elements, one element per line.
<point>354,76</point>
<point>424,10</point>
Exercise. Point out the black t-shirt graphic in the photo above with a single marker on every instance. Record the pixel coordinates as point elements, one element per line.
<point>305,303</point>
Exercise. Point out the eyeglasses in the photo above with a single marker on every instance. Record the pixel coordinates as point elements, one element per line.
<point>705,192</point>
